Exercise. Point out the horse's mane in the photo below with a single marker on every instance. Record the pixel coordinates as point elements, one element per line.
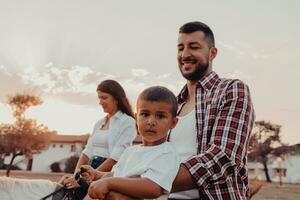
<point>23,189</point>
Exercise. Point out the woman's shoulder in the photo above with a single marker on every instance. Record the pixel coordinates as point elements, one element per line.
<point>123,117</point>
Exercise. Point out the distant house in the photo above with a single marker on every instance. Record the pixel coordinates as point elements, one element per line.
<point>286,169</point>
<point>61,147</point>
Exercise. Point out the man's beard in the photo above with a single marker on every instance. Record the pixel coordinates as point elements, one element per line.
<point>197,74</point>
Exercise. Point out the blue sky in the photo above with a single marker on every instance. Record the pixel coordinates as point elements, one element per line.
<point>62,49</point>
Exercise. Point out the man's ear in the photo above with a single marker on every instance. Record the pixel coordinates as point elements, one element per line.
<point>213,53</point>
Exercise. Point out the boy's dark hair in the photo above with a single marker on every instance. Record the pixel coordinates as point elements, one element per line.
<point>159,93</point>
<point>191,27</point>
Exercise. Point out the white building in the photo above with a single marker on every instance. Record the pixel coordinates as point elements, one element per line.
<point>61,148</point>
<point>287,169</point>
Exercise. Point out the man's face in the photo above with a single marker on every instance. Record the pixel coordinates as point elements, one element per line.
<point>154,120</point>
<point>193,55</point>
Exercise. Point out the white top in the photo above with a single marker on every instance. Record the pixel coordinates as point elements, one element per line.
<point>158,163</point>
<point>120,134</point>
<point>184,139</point>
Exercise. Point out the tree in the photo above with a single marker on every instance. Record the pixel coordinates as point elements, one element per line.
<point>24,136</point>
<point>264,144</point>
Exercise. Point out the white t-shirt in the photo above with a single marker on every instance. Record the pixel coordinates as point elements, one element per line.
<point>119,135</point>
<point>158,163</point>
<point>184,139</point>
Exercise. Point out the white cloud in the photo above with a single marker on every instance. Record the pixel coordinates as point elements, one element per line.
<point>139,72</point>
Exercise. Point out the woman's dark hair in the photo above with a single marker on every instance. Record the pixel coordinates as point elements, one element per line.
<point>116,90</point>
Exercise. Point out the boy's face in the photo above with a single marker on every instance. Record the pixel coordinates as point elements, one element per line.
<point>154,119</point>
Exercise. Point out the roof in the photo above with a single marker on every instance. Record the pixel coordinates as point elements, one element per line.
<point>58,138</point>
<point>55,138</point>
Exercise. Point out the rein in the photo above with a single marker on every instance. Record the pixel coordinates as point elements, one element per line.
<point>73,193</point>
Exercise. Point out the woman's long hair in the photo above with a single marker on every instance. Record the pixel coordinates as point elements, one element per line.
<point>116,90</point>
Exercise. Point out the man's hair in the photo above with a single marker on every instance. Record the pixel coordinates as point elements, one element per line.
<point>191,27</point>
<point>160,94</point>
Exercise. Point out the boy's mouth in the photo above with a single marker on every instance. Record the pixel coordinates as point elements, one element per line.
<point>150,131</point>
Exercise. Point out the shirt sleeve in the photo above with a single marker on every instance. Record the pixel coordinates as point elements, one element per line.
<point>125,138</point>
<point>229,138</point>
<point>88,150</point>
<point>163,170</point>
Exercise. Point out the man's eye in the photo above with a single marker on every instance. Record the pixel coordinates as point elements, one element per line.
<point>194,47</point>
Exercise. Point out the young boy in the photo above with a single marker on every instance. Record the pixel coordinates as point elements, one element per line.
<point>146,170</point>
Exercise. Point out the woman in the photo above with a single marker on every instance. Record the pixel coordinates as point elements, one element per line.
<point>111,134</point>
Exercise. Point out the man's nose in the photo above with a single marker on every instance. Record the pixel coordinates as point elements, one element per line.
<point>185,53</point>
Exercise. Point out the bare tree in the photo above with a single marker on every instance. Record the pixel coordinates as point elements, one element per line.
<point>264,144</point>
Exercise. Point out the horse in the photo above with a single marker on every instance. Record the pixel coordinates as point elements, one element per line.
<point>26,189</point>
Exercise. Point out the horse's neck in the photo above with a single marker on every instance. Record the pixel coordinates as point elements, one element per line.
<point>25,189</point>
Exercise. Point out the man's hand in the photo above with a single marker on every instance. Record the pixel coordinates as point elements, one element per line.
<point>99,189</point>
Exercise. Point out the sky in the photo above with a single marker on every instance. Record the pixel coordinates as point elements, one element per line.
<point>60,50</point>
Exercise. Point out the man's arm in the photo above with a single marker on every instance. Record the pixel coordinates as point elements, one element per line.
<point>183,180</point>
<point>224,154</point>
<point>132,187</point>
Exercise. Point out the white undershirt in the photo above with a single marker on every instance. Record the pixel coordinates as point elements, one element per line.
<point>100,143</point>
<point>184,138</point>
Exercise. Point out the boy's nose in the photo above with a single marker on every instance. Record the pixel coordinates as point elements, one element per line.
<point>151,121</point>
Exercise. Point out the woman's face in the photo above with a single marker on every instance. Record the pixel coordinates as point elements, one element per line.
<point>107,102</point>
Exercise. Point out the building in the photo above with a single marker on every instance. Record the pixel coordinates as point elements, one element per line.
<point>285,169</point>
<point>61,147</point>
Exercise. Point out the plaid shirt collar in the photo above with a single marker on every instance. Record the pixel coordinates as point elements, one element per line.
<point>207,82</point>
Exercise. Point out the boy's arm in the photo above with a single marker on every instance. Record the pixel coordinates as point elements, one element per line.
<point>92,174</point>
<point>133,187</point>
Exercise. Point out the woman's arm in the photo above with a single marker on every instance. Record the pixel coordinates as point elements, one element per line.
<point>133,187</point>
<point>107,165</point>
<point>83,160</point>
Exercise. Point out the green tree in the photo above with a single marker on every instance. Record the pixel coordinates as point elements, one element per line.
<point>24,136</point>
<point>264,144</point>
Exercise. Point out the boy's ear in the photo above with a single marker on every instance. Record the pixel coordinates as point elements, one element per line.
<point>175,120</point>
<point>135,114</point>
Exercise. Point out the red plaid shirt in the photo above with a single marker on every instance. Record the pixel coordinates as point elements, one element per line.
<point>224,120</point>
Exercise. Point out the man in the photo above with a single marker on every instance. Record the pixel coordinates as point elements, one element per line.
<point>220,126</point>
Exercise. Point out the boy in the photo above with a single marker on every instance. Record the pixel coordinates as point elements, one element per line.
<point>146,170</point>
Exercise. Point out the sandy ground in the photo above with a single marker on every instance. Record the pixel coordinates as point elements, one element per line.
<point>268,191</point>
<point>273,191</point>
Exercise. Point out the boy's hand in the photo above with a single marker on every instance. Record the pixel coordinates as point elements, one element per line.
<point>99,189</point>
<point>90,173</point>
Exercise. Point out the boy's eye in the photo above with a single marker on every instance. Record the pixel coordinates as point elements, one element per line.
<point>161,116</point>
<point>143,114</point>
